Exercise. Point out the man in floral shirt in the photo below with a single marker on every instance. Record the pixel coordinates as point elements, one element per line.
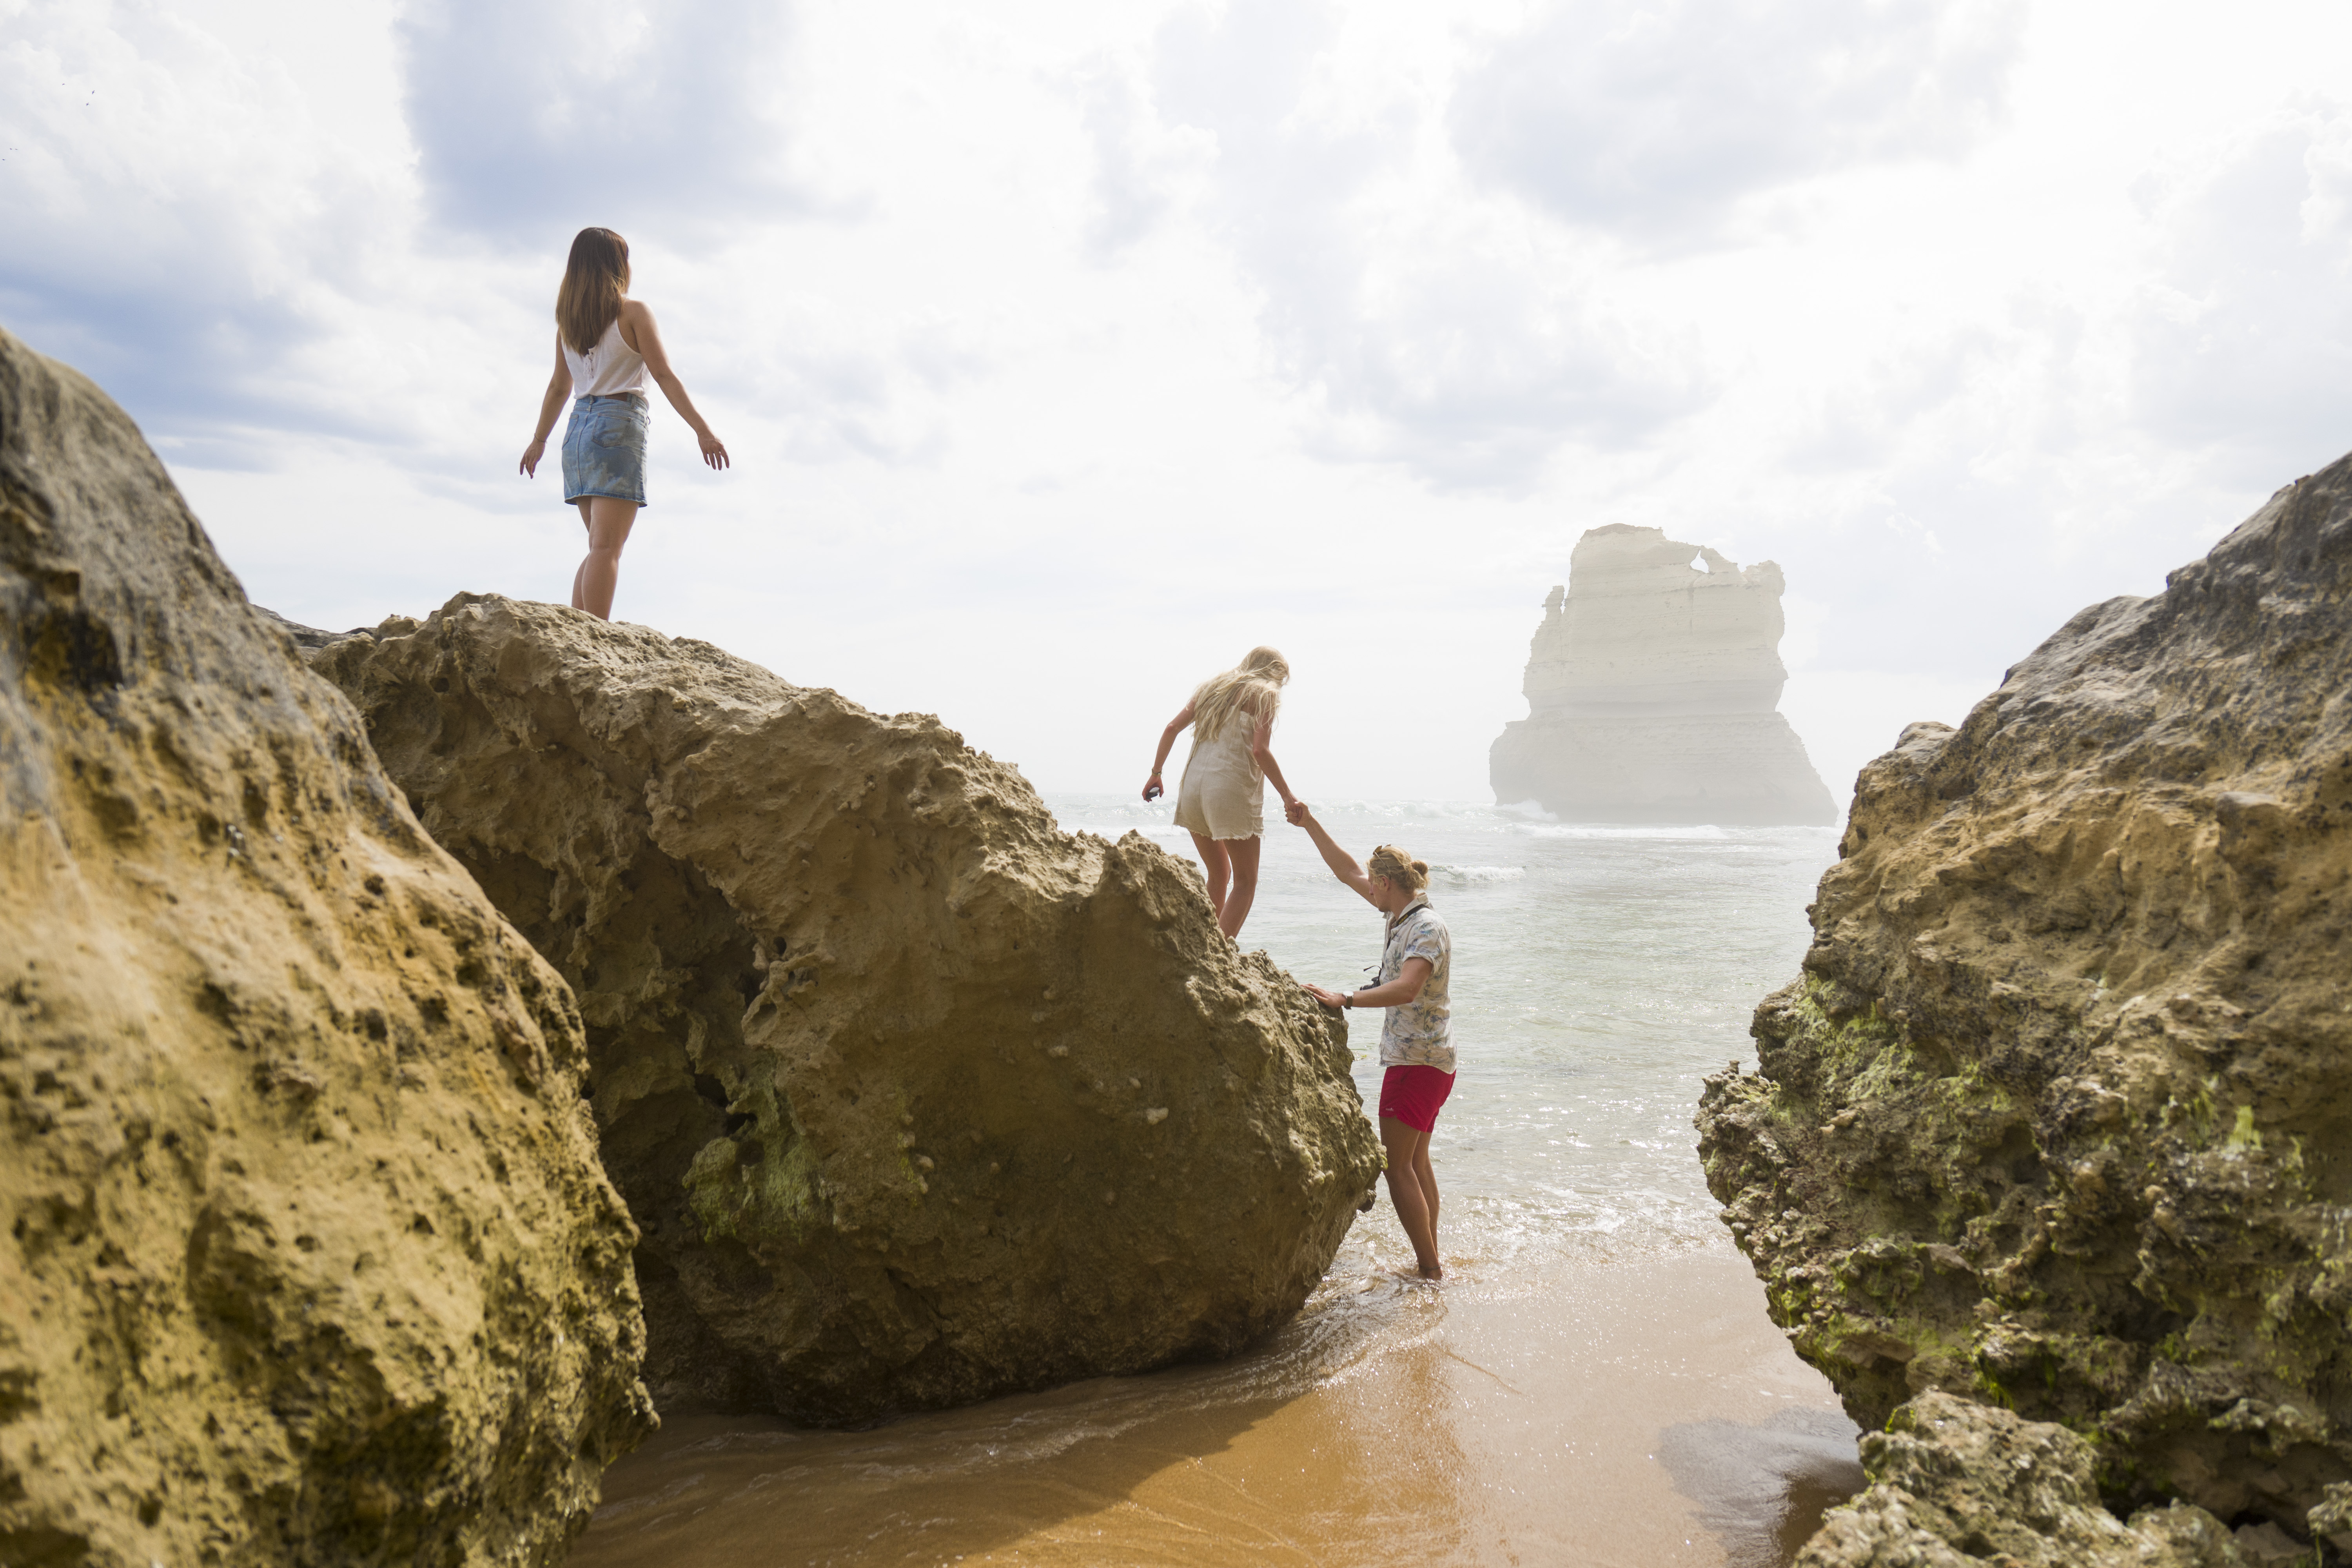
<point>1417,1036</point>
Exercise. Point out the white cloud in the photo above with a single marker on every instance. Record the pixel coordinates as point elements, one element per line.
<point>534,119</point>
<point>180,221</point>
<point>1066,351</point>
<point>2246,344</point>
<point>1654,120</point>
<point>1421,325</point>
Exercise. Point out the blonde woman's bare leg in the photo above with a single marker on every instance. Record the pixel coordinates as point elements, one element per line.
<point>1219,872</point>
<point>609,522</point>
<point>1428,1175</point>
<point>1408,1150</point>
<point>1243,892</point>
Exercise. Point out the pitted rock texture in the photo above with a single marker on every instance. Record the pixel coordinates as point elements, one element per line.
<point>917,1099</point>
<point>2060,1114</point>
<point>1956,1483</point>
<point>309,1258</point>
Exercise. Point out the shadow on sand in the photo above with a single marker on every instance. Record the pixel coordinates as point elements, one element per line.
<point>1762,1490</point>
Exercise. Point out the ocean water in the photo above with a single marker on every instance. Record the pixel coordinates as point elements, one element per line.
<point>1598,972</point>
<point>1596,1381</point>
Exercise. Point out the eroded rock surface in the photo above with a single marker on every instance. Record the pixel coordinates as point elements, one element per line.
<point>309,1256</point>
<point>1653,687</point>
<point>916,1099</point>
<point>1956,1483</point>
<point>2060,1114</point>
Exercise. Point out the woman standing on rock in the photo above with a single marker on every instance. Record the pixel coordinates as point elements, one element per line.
<point>1416,1037</point>
<point>1223,798</point>
<point>605,346</point>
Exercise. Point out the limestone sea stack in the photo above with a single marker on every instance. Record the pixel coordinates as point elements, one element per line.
<point>2059,1115</point>
<point>916,1099</point>
<point>308,1256</point>
<point>1653,689</point>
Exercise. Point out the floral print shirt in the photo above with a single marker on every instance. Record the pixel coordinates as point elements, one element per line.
<point>1420,1033</point>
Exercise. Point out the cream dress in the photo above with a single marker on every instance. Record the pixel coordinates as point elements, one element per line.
<point>1223,792</point>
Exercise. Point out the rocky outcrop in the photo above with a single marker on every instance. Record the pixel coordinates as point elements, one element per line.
<point>308,1254</point>
<point>2059,1116</point>
<point>1955,1482</point>
<point>1652,687</point>
<point>916,1099</point>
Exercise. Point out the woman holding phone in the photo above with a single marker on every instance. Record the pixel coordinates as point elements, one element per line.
<point>1221,801</point>
<point>605,346</point>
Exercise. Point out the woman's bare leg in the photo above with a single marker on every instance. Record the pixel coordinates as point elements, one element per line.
<point>1408,1149</point>
<point>1214,861</point>
<point>609,522</point>
<point>1428,1175</point>
<point>1237,904</point>
<point>580,572</point>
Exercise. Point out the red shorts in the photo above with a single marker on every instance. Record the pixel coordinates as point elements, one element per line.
<point>1412,1095</point>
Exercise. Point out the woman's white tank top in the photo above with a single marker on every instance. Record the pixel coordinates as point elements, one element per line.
<point>609,369</point>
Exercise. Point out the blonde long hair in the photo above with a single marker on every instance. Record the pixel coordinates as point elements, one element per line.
<point>1252,687</point>
<point>595,277</point>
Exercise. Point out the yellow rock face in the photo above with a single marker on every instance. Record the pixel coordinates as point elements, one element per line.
<point>916,1099</point>
<point>308,1258</point>
<point>2058,1116</point>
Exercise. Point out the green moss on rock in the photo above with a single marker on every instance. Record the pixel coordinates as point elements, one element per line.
<point>2058,1118</point>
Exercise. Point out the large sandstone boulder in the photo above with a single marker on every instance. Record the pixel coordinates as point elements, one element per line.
<point>2060,1114</point>
<point>916,1099</point>
<point>308,1254</point>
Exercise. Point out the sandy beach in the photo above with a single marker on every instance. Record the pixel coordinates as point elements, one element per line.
<point>1597,1380</point>
<point>1638,1410</point>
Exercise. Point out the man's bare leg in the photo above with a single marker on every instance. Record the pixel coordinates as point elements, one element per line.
<point>1408,1149</point>
<point>609,522</point>
<point>1236,908</point>
<point>1220,869</point>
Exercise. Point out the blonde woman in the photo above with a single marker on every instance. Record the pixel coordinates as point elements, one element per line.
<point>605,347</point>
<point>1221,800</point>
<point>1416,1034</point>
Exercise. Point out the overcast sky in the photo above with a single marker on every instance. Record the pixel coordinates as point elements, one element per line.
<point>1066,350</point>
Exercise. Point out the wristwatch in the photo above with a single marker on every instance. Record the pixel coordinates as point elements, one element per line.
<point>1348,1000</point>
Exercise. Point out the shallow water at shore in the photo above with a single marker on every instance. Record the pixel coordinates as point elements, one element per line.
<point>1596,1382</point>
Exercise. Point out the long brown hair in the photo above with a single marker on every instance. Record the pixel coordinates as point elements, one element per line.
<point>594,278</point>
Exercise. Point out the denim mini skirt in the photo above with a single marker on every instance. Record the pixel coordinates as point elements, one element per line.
<point>604,448</point>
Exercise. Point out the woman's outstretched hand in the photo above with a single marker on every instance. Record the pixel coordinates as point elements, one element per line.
<point>714,450</point>
<point>1294,812</point>
<point>1331,999</point>
<point>530,456</point>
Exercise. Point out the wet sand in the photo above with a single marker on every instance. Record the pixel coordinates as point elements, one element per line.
<point>1595,1408</point>
<point>1598,1383</point>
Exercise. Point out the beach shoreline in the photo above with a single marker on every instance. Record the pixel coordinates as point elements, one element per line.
<point>1633,1407</point>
